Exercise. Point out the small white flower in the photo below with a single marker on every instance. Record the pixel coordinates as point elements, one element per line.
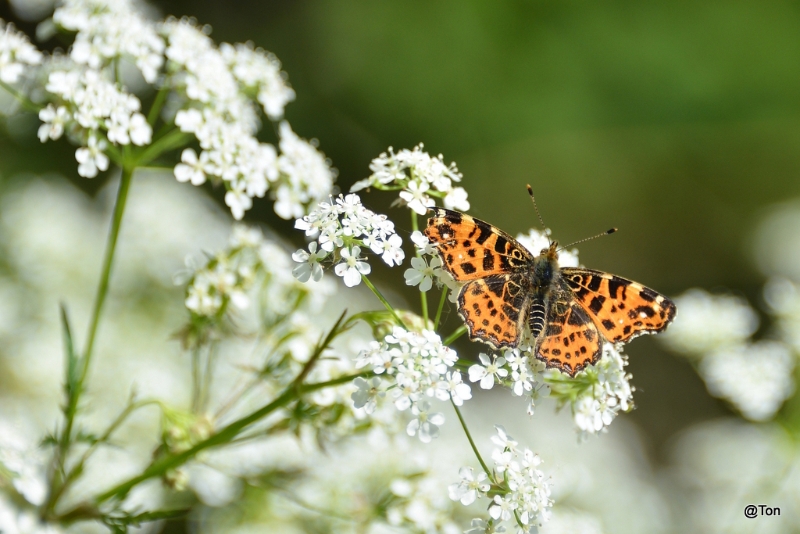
<point>423,244</point>
<point>470,487</point>
<point>91,158</point>
<point>309,267</point>
<point>502,508</point>
<point>503,440</point>
<point>456,199</point>
<point>192,169</point>
<point>426,424</point>
<point>16,52</point>
<point>368,393</point>
<point>352,267</point>
<point>421,273</point>
<point>238,201</point>
<point>453,388</point>
<point>54,120</point>
<point>416,197</point>
<point>487,372</point>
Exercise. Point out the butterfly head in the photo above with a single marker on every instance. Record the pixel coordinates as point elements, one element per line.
<point>551,252</point>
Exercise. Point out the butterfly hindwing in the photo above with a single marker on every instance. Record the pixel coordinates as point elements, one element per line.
<point>570,340</point>
<point>622,309</point>
<point>494,309</point>
<point>472,249</point>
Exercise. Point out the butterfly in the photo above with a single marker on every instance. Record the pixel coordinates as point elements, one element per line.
<point>570,311</point>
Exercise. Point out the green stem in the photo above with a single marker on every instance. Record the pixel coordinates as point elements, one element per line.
<point>108,260</point>
<point>162,465</point>
<point>196,380</point>
<point>384,301</point>
<point>169,141</point>
<point>471,442</point>
<point>158,103</point>
<point>26,102</point>
<point>460,331</point>
<point>100,299</point>
<point>442,300</point>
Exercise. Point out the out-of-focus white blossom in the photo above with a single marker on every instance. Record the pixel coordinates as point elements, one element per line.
<point>783,298</point>
<point>572,522</point>
<point>755,378</point>
<point>707,322</point>
<point>16,53</point>
<point>109,30</point>
<point>259,71</point>
<point>421,178</point>
<point>536,241</point>
<point>425,423</point>
<point>368,393</point>
<point>229,276</point>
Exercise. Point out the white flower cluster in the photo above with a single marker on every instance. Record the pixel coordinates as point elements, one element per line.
<point>707,322</point>
<point>420,176</point>
<point>783,298</point>
<point>229,276</point>
<point>260,72</point>
<point>521,492</point>
<point>607,393</point>
<point>515,369</point>
<point>417,365</point>
<point>213,93</point>
<point>217,84</point>
<point>16,52</point>
<point>341,227</point>
<point>715,331</point>
<point>417,502</point>
<point>109,30</point>
<point>92,109</point>
<point>755,378</point>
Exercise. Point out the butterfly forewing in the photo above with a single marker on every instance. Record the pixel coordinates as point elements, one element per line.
<point>622,309</point>
<point>570,340</point>
<point>471,249</point>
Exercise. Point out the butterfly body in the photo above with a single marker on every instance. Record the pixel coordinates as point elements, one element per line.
<point>569,311</point>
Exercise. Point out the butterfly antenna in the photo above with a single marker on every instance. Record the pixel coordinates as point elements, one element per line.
<point>544,228</point>
<point>607,232</point>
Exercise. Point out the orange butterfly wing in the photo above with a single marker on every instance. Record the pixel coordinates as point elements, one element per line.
<point>622,309</point>
<point>471,249</point>
<point>492,302</point>
<point>570,340</point>
<point>494,309</point>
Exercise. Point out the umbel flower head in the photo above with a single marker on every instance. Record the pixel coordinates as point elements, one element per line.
<point>420,177</point>
<point>344,229</point>
<point>214,98</point>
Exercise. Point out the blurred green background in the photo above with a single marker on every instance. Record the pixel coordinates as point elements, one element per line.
<point>678,122</point>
